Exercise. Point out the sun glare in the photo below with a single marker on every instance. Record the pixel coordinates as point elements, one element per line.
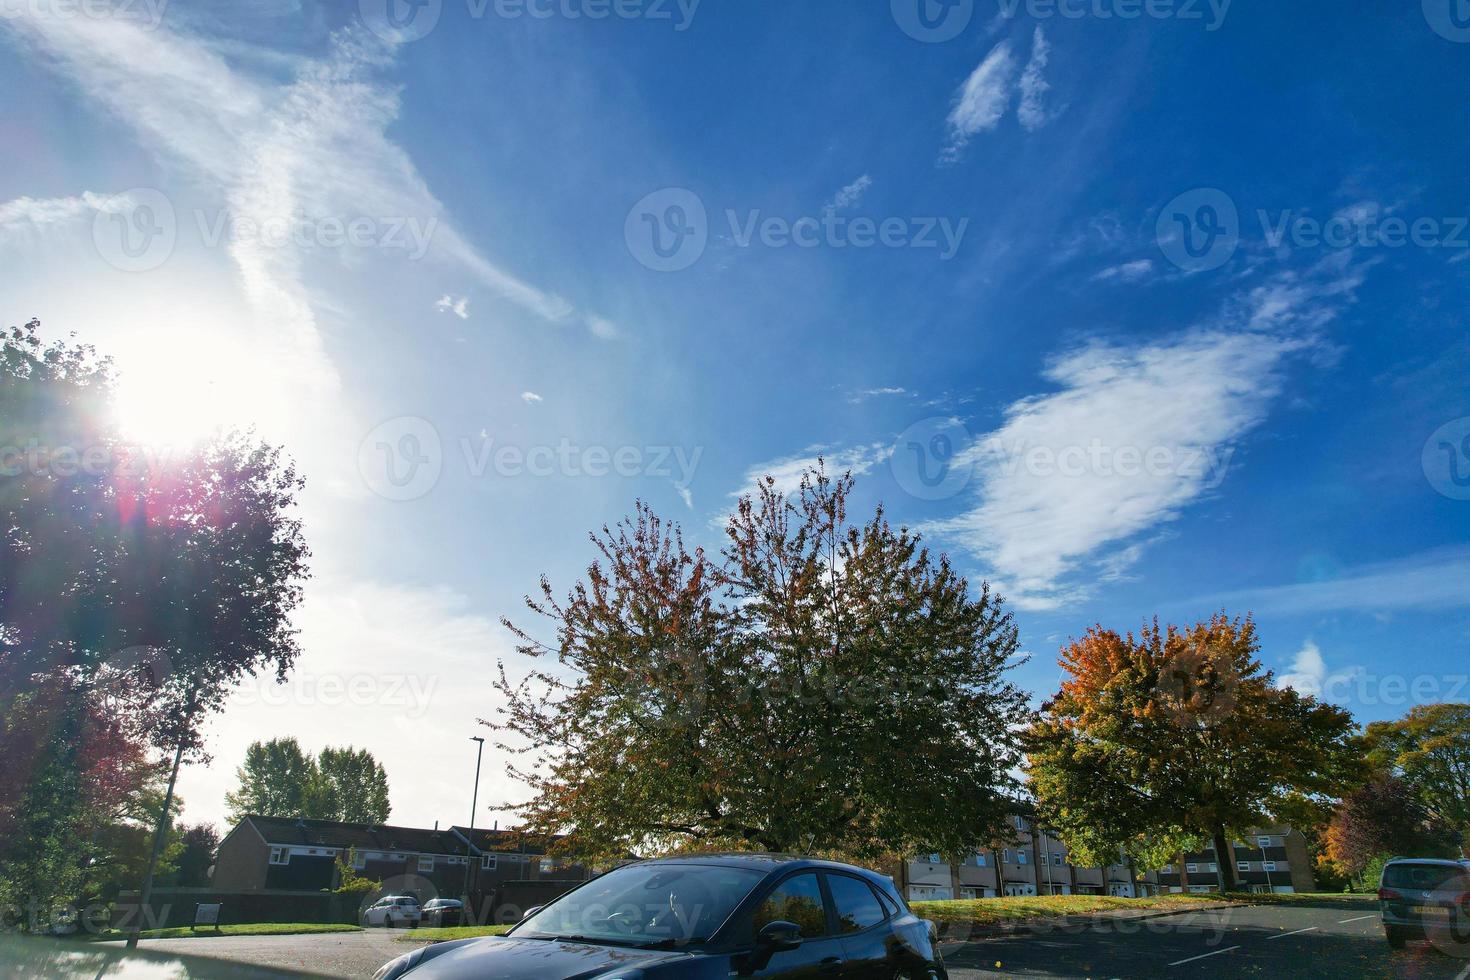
<point>176,394</point>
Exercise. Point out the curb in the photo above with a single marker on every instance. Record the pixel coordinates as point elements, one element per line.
<point>1063,923</point>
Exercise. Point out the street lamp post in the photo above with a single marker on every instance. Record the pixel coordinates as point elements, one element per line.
<point>474,805</point>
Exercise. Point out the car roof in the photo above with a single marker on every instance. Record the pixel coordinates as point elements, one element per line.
<point>762,862</point>
<point>1445,862</point>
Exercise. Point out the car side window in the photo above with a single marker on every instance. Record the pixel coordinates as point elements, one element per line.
<point>798,899</point>
<point>857,906</point>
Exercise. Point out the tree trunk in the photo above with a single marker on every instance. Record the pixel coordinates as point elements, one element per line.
<point>1225,860</point>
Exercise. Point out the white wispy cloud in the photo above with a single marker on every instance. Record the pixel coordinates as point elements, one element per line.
<point>787,471</point>
<point>1134,271</point>
<point>1177,407</point>
<point>313,147</point>
<point>1428,582</point>
<point>686,495</point>
<point>850,195</point>
<point>29,215</point>
<point>459,307</point>
<point>531,398</point>
<point>982,100</point>
<point>602,328</point>
<point>858,397</point>
<point>1032,112</point>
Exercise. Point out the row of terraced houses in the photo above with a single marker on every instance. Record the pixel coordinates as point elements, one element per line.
<point>1036,863</point>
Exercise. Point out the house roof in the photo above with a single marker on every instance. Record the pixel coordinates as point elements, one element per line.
<point>372,837</point>
<point>503,841</point>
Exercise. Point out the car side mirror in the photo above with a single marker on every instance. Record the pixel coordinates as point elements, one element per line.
<point>775,937</point>
<point>531,911</point>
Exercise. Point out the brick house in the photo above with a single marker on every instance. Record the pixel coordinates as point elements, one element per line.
<point>290,854</point>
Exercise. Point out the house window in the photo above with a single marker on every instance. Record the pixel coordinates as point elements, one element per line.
<point>1056,858</point>
<point>487,862</point>
<point>935,859</point>
<point>1005,855</point>
<point>359,860</point>
<point>280,855</point>
<point>1021,857</point>
<point>1263,841</point>
<point>1242,865</point>
<point>1020,823</point>
<point>979,860</point>
<point>1214,867</point>
<point>1268,865</point>
<point>426,862</point>
<point>548,865</point>
<point>1191,868</point>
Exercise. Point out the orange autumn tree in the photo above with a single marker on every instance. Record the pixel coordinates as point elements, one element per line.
<point>1160,741</point>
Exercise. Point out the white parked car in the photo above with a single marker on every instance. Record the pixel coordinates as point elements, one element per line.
<point>393,911</point>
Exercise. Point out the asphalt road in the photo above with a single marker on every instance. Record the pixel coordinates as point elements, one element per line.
<point>1340,940</point>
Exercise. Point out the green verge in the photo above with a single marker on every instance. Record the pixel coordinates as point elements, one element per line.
<point>247,929</point>
<point>451,932</point>
<point>987,911</point>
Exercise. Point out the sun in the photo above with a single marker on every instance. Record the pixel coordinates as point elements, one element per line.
<point>180,390</point>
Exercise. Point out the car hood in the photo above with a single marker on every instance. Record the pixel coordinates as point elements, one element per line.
<point>508,958</point>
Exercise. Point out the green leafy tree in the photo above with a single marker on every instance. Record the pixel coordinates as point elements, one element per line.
<point>280,779</point>
<point>1429,749</point>
<point>197,847</point>
<point>742,704</point>
<point>1176,736</point>
<point>277,779</point>
<point>349,882</point>
<point>354,786</point>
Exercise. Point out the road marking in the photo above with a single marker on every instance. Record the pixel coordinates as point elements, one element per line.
<point>1283,935</point>
<point>1358,919</point>
<point>1217,952</point>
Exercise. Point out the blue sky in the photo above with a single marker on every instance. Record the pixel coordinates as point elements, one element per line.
<point>1133,315</point>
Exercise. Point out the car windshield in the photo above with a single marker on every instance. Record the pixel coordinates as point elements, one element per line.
<point>645,905</point>
<point>1425,877</point>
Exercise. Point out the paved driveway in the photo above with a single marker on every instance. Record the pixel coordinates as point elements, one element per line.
<point>333,954</point>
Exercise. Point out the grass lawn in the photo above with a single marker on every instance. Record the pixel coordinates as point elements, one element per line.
<point>451,932</point>
<point>987,911</point>
<point>250,929</point>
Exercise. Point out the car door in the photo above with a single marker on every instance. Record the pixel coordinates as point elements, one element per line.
<point>868,943</point>
<point>800,899</point>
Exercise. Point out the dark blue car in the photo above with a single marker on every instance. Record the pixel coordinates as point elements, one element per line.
<point>702,918</point>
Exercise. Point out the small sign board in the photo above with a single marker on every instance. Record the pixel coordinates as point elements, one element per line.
<point>206,915</point>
